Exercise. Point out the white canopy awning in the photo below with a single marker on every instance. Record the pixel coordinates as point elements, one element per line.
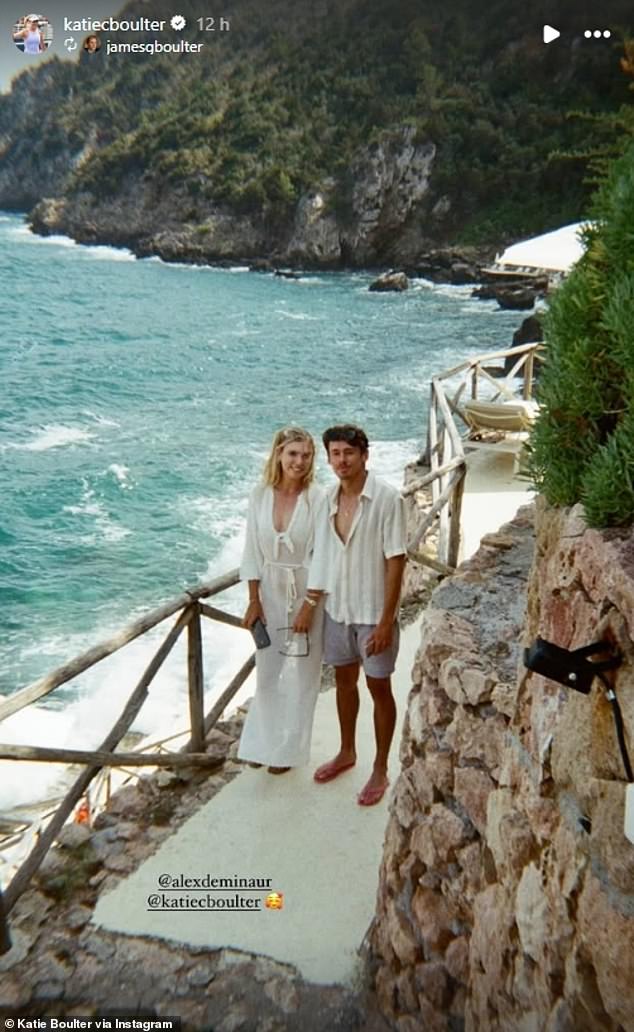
<point>557,251</point>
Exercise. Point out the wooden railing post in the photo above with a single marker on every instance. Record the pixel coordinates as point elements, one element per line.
<point>425,459</point>
<point>528,377</point>
<point>195,677</point>
<point>443,480</point>
<point>5,938</point>
<point>453,549</point>
<point>434,462</point>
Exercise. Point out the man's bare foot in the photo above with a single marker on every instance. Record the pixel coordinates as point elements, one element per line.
<point>374,790</point>
<point>277,770</point>
<point>332,769</point>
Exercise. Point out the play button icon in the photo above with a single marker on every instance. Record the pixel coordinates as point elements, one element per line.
<point>550,34</point>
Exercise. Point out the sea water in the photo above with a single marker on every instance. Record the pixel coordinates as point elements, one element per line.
<point>137,406</point>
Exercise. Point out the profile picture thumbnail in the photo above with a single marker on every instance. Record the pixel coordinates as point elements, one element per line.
<point>91,44</point>
<point>33,33</point>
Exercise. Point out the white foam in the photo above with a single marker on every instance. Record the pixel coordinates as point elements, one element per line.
<point>480,306</point>
<point>421,283</point>
<point>181,266</point>
<point>296,315</point>
<point>54,436</point>
<point>57,239</point>
<point>452,290</point>
<point>103,523</point>
<point>100,420</point>
<point>389,458</point>
<point>91,251</point>
<point>107,253</point>
<point>218,517</point>
<point>121,474</point>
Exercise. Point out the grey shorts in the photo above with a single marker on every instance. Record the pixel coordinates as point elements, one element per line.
<point>345,643</point>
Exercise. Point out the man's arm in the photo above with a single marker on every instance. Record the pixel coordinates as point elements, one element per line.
<point>381,637</point>
<point>317,573</point>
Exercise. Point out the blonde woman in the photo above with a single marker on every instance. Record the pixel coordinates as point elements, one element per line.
<point>33,38</point>
<point>283,510</point>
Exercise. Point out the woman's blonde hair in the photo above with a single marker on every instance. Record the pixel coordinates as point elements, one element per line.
<point>272,473</point>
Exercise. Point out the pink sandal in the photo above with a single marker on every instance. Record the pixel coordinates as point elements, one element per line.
<point>330,771</point>
<point>372,796</point>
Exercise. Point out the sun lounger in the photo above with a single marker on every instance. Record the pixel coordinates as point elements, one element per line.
<point>499,426</point>
<point>511,417</point>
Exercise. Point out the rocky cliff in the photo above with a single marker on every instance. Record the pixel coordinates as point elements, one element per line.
<point>506,897</point>
<point>389,205</point>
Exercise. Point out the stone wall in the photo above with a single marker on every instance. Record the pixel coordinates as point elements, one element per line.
<point>506,897</point>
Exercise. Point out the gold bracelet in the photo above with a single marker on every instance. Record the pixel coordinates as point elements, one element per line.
<point>311,601</point>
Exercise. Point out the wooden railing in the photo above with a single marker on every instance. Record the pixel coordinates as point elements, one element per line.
<point>444,452</point>
<point>190,608</point>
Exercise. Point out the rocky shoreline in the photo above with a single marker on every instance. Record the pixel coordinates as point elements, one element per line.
<point>393,220</point>
<point>224,240</point>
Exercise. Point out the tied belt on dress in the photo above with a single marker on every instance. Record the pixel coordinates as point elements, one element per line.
<point>291,584</point>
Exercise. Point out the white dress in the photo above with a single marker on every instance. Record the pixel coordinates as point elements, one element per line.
<point>278,726</point>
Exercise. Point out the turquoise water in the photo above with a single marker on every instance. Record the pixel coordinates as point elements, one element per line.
<point>138,400</point>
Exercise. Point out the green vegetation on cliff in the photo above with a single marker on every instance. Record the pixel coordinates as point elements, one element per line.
<point>583,442</point>
<point>287,97</point>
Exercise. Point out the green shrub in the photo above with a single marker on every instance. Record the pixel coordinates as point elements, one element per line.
<point>582,446</point>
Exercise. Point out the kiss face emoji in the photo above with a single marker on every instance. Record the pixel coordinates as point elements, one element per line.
<point>274,901</point>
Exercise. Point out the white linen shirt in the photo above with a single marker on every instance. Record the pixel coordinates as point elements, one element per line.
<point>353,574</point>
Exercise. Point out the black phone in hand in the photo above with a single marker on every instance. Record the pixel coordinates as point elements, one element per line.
<point>260,634</point>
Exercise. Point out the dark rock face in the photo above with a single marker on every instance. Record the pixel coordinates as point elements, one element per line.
<point>285,274</point>
<point>395,281</point>
<point>529,332</point>
<point>515,297</point>
<point>513,292</point>
<point>261,265</point>
<point>451,265</point>
<point>168,226</point>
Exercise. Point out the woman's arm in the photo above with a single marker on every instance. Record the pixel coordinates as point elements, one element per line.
<point>252,563</point>
<point>254,610</point>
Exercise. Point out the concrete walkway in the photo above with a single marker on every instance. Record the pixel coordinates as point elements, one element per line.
<point>310,842</point>
<point>493,494</point>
